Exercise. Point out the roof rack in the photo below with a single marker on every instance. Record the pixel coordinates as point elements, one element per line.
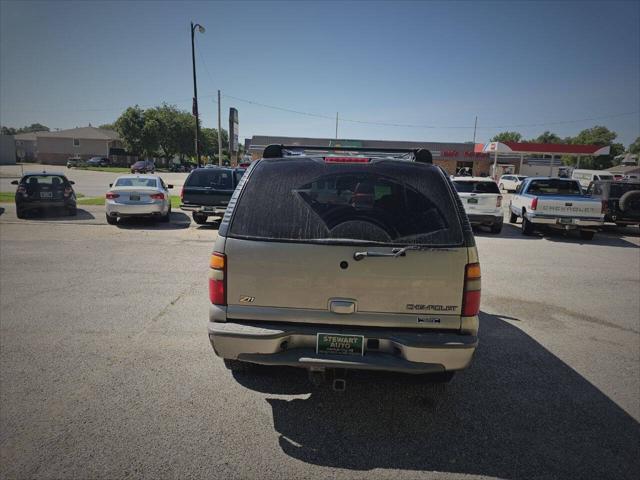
<point>421,155</point>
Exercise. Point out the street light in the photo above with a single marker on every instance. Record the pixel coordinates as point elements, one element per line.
<point>195,86</point>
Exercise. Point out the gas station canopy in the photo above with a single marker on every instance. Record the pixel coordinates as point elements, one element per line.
<point>545,149</point>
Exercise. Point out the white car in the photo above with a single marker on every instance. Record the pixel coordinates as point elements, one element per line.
<point>138,196</point>
<point>509,183</point>
<point>482,201</point>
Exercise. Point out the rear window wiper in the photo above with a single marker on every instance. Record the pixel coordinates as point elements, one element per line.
<point>394,253</point>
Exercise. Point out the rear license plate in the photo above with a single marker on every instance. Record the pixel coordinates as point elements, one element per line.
<point>334,343</point>
<point>566,220</point>
<point>134,197</point>
<point>46,194</point>
<point>472,200</point>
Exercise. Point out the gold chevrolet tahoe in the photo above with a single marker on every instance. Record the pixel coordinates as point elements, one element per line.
<point>345,260</point>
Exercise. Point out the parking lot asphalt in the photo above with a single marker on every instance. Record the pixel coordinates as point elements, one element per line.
<point>106,370</point>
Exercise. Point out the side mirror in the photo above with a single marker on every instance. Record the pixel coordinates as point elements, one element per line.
<point>71,182</point>
<point>169,186</point>
<point>110,185</point>
<point>15,182</point>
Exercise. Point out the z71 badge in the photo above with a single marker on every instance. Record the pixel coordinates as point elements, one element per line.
<point>428,320</point>
<point>246,299</point>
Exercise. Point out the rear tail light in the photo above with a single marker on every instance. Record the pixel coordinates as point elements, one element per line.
<point>22,189</point>
<point>182,193</point>
<point>471,296</point>
<point>605,206</point>
<point>111,195</point>
<point>217,279</point>
<point>534,203</point>
<point>499,201</point>
<point>346,160</point>
<point>68,191</point>
<point>157,196</point>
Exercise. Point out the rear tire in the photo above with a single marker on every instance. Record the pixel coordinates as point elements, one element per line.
<point>513,218</point>
<point>112,220</point>
<point>236,365</point>
<point>20,213</point>
<point>527,226</point>
<point>199,218</point>
<point>72,212</point>
<point>166,218</point>
<point>587,234</point>
<point>496,228</point>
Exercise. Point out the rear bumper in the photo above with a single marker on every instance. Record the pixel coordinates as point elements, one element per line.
<point>555,220</point>
<point>622,219</point>
<point>207,210</point>
<point>485,219</point>
<point>295,345</point>
<point>122,209</point>
<point>34,205</point>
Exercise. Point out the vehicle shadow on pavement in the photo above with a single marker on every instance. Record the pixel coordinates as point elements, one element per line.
<point>608,237</point>
<point>178,221</point>
<point>58,215</point>
<point>519,412</point>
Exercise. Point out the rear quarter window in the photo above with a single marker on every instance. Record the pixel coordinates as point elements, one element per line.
<point>385,202</point>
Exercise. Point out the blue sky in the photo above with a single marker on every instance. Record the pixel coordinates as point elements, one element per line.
<point>68,64</point>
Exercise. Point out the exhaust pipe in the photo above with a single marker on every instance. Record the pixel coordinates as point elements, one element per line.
<point>317,377</point>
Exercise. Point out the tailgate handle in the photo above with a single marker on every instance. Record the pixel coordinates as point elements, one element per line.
<point>343,307</point>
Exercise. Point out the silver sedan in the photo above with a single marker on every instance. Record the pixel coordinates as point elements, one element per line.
<point>138,196</point>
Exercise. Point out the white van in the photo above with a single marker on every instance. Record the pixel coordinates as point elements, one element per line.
<point>585,177</point>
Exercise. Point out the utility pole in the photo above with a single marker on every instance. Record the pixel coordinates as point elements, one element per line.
<point>336,125</point>
<point>219,132</point>
<point>195,87</point>
<point>475,125</point>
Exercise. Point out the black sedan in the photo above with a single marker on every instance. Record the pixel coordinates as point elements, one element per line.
<point>143,166</point>
<point>40,191</point>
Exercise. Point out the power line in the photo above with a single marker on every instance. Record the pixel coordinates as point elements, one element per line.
<point>332,118</point>
<point>407,125</point>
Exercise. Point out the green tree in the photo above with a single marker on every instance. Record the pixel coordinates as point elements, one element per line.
<point>548,137</point>
<point>165,120</point>
<point>600,136</point>
<point>108,126</point>
<point>210,142</point>
<point>129,126</point>
<point>635,146</point>
<point>139,132</point>
<point>34,127</point>
<point>507,137</point>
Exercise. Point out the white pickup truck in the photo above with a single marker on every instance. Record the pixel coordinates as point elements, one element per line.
<point>555,203</point>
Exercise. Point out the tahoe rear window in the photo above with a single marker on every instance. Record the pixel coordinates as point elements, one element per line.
<point>468,186</point>
<point>384,202</point>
